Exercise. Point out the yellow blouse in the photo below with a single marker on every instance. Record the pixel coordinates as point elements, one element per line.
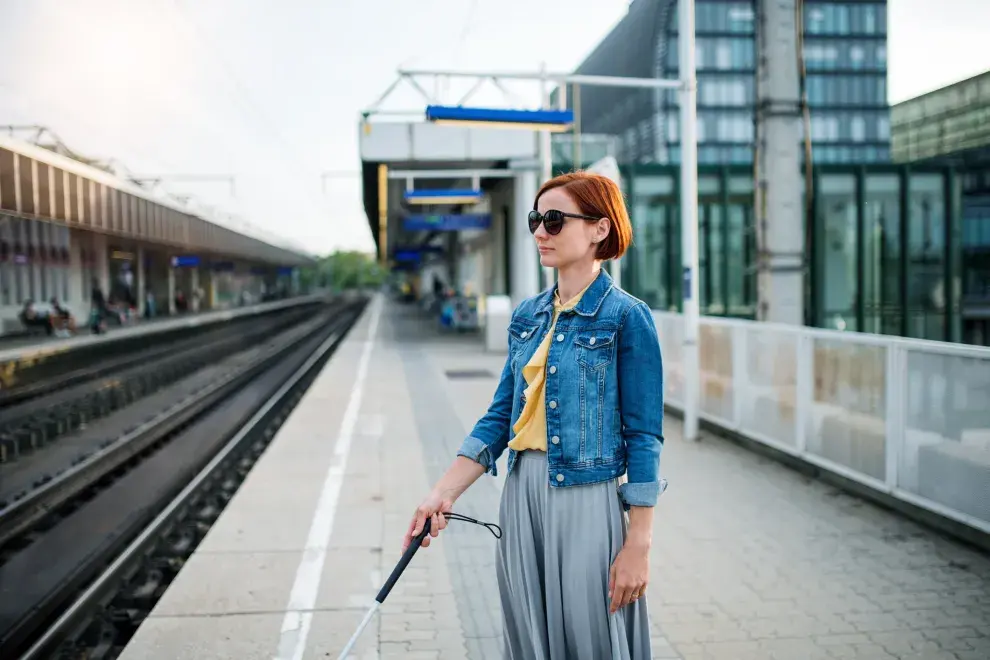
<point>531,427</point>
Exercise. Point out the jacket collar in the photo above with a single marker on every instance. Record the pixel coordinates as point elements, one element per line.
<point>590,302</point>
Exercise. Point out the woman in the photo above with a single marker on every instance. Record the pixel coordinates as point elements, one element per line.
<point>580,408</point>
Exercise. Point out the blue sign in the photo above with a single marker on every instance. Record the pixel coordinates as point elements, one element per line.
<point>185,261</point>
<point>467,193</point>
<point>447,222</point>
<point>407,255</point>
<point>456,113</point>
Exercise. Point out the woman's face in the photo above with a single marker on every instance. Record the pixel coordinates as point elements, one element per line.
<point>577,241</point>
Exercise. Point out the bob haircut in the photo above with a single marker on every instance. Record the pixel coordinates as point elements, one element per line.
<point>597,196</point>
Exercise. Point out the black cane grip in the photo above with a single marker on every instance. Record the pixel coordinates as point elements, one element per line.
<point>404,561</point>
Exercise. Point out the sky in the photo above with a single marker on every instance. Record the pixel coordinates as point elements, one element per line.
<point>270,91</point>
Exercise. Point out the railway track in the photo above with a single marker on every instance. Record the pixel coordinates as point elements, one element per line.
<point>89,552</point>
<point>31,420</point>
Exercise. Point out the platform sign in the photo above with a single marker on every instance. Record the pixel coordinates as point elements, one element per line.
<point>447,222</point>
<point>185,261</point>
<point>408,256</point>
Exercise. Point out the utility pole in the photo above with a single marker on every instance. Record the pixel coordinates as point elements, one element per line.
<point>779,217</point>
<point>689,217</point>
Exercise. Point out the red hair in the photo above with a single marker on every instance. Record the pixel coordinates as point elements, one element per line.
<point>597,196</point>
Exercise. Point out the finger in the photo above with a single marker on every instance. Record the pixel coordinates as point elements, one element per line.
<point>420,521</point>
<point>435,525</point>
<point>621,597</point>
<point>410,533</point>
<point>611,582</point>
<point>426,541</point>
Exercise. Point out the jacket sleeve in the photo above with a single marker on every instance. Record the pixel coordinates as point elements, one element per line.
<point>640,375</point>
<point>490,435</point>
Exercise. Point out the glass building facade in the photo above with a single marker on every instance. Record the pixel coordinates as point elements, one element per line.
<point>950,127</point>
<point>845,52</point>
<point>885,249</point>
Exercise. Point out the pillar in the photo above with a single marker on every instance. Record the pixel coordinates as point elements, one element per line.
<point>171,287</point>
<point>524,275</point>
<point>780,218</point>
<point>192,297</point>
<point>140,280</point>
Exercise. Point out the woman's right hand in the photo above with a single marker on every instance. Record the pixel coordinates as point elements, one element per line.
<point>433,507</point>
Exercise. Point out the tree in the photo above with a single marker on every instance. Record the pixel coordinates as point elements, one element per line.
<point>344,270</point>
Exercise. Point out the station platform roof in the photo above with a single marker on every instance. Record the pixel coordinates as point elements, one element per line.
<point>38,183</point>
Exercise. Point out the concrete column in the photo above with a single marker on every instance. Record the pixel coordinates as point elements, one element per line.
<point>140,281</point>
<point>171,286</point>
<point>524,278</point>
<point>779,213</point>
<point>191,297</point>
<point>102,262</point>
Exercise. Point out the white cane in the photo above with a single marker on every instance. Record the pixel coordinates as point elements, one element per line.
<point>401,566</point>
<point>389,583</point>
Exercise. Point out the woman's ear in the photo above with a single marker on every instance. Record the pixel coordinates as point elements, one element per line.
<point>602,228</point>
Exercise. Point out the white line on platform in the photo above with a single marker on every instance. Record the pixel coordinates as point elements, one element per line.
<point>302,600</point>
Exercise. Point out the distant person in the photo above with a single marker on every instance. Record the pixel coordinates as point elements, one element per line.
<point>579,406</point>
<point>98,308</point>
<point>149,304</point>
<point>62,320</point>
<point>34,317</point>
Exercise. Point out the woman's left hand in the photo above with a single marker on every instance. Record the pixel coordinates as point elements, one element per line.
<point>628,576</point>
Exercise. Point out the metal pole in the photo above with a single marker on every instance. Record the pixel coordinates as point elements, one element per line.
<point>689,216</point>
<point>560,78</point>
<point>546,159</point>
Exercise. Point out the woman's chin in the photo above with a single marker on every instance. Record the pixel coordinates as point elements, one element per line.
<point>548,259</point>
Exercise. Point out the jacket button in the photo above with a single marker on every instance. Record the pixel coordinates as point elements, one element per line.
<point>560,337</point>
<point>555,440</point>
<point>592,341</point>
<point>560,477</point>
<point>553,405</point>
<point>524,334</point>
<point>553,370</point>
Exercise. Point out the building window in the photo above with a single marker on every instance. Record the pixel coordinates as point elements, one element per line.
<point>883,128</point>
<point>857,129</point>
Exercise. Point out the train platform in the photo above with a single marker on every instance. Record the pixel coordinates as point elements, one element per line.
<point>751,559</point>
<point>27,348</point>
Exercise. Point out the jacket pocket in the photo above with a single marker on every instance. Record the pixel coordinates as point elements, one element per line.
<point>521,336</point>
<point>595,348</point>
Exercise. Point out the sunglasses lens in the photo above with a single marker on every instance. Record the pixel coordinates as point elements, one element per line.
<point>534,221</point>
<point>554,222</point>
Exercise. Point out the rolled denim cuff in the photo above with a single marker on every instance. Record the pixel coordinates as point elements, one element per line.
<point>478,452</point>
<point>641,493</point>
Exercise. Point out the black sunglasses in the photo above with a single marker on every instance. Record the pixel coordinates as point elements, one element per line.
<point>553,220</point>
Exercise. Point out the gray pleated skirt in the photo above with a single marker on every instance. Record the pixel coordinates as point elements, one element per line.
<point>552,566</point>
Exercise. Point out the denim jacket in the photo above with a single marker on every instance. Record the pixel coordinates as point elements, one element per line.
<point>604,392</point>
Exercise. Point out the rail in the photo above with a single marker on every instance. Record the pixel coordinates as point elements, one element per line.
<point>102,523</point>
<point>904,420</point>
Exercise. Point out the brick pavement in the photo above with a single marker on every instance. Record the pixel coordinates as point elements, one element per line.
<point>750,559</point>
